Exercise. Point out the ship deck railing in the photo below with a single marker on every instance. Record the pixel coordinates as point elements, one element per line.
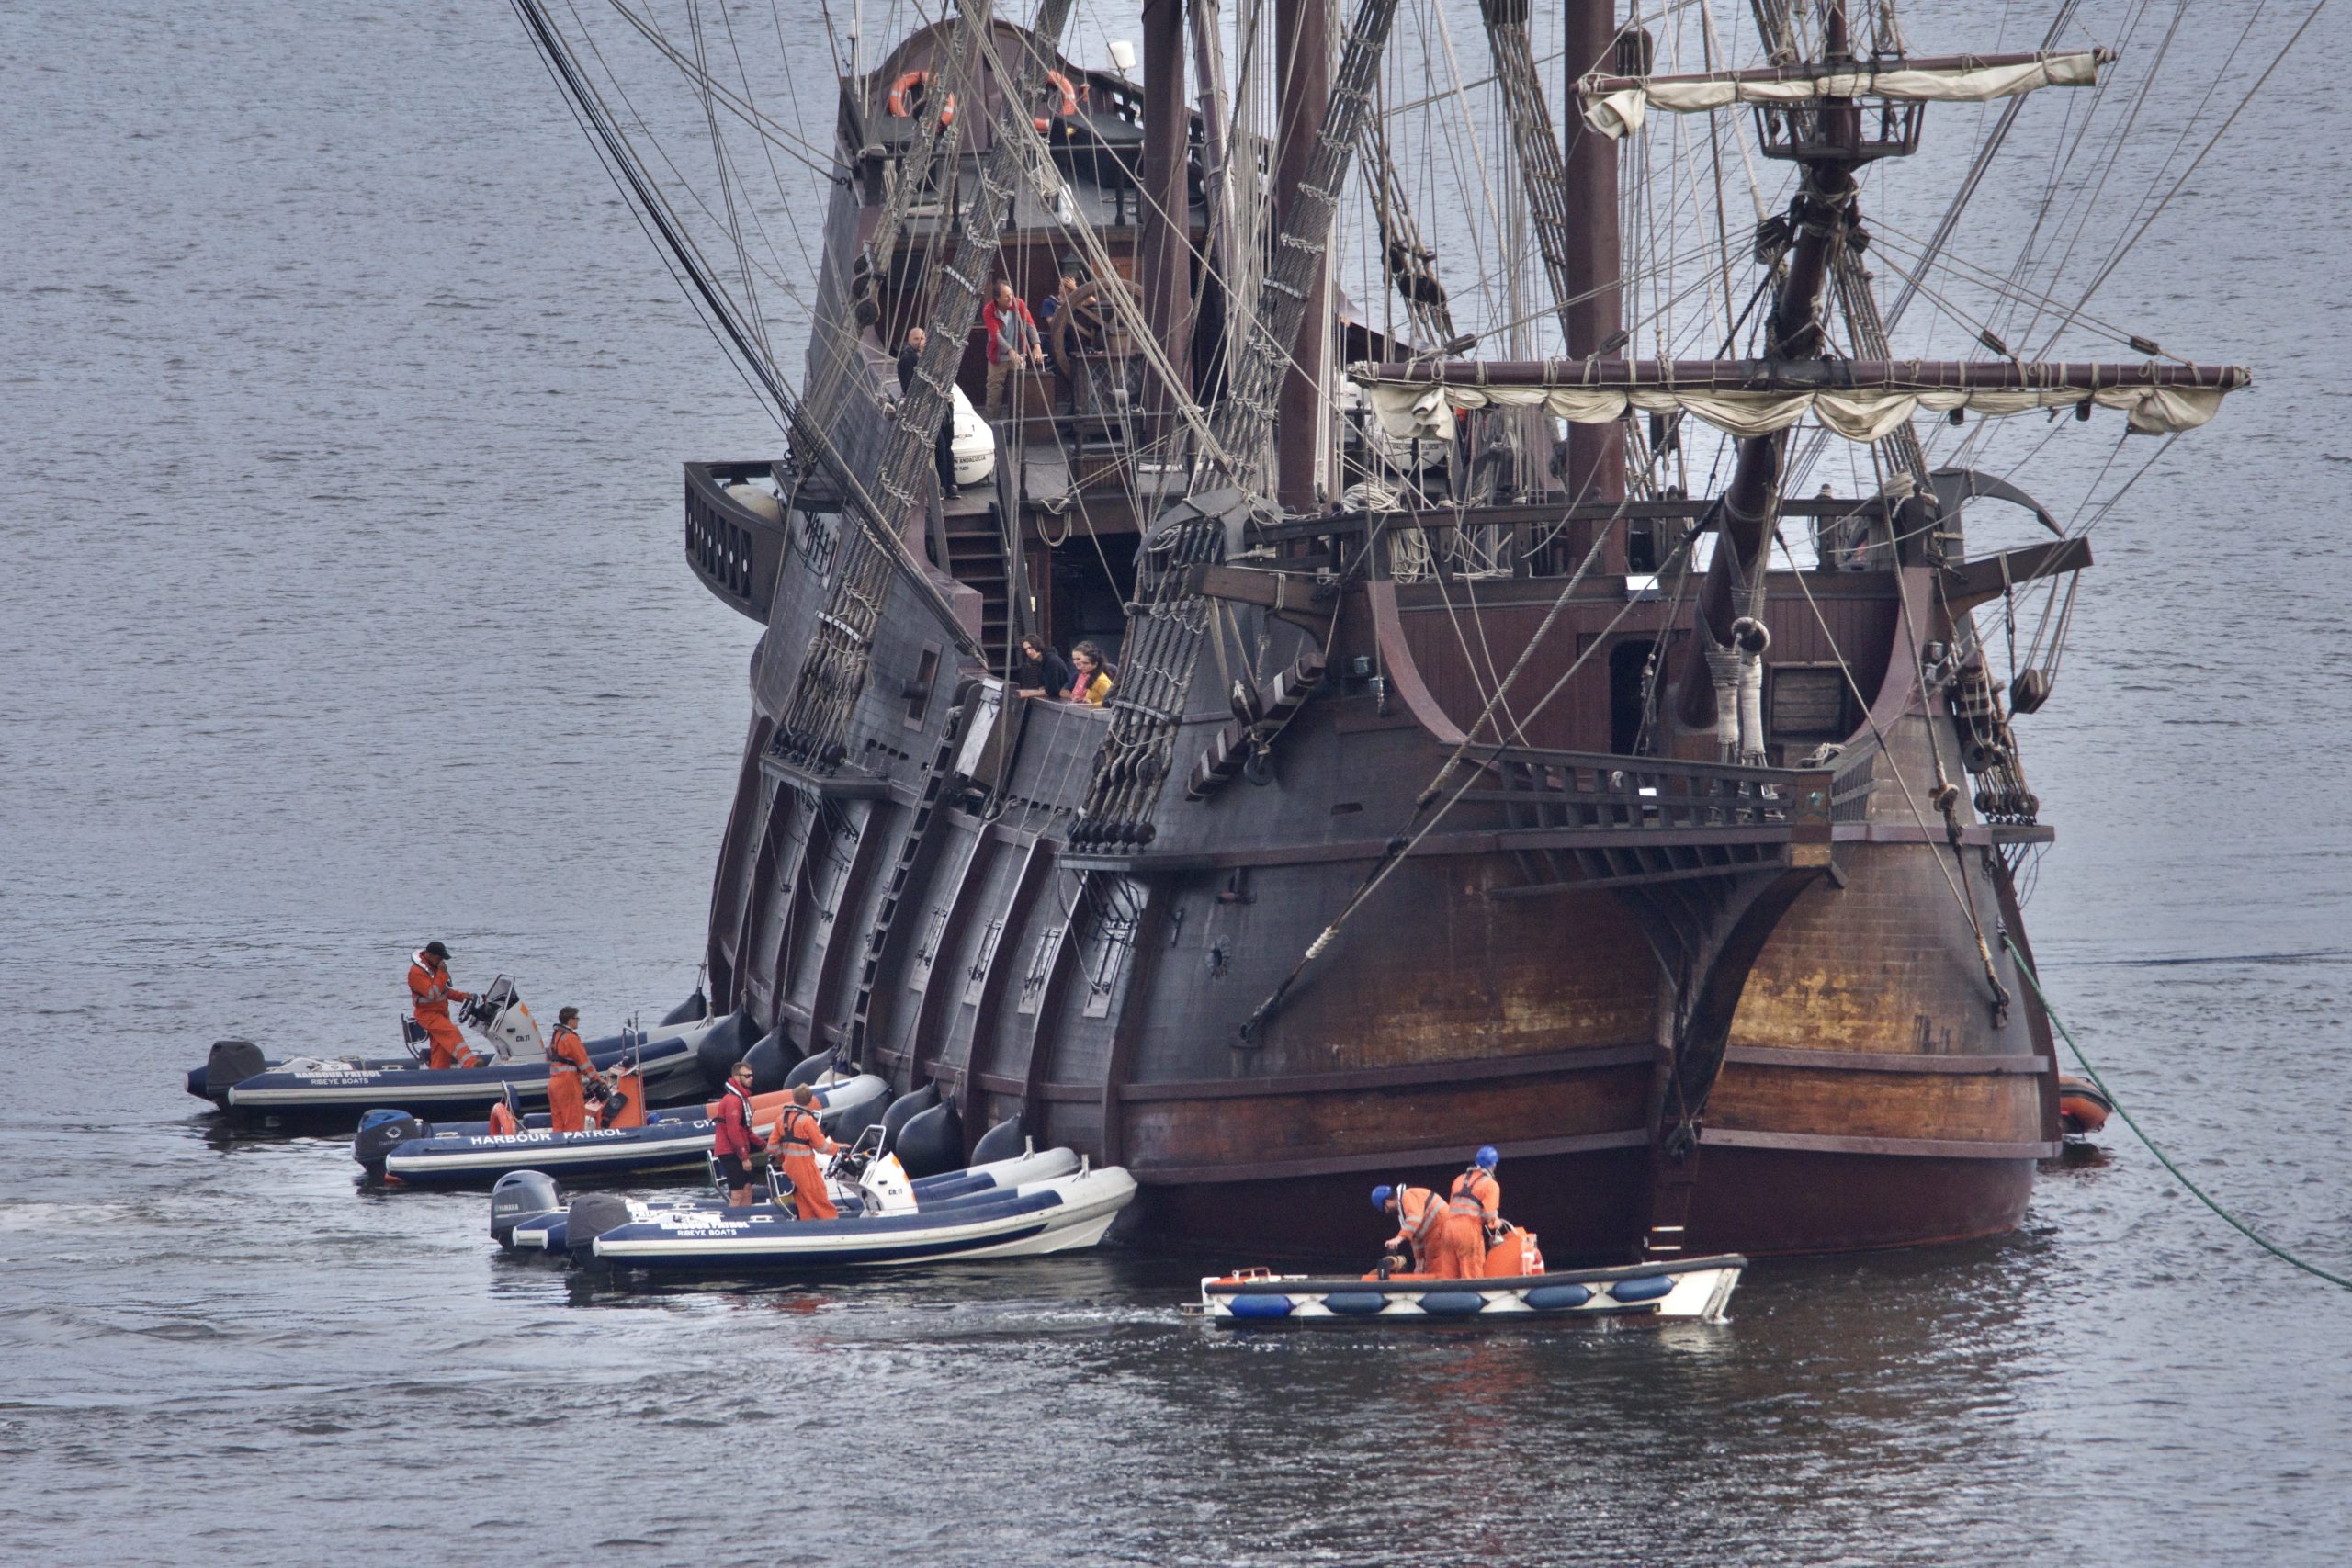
<point>1546,789</point>
<point>1534,538</point>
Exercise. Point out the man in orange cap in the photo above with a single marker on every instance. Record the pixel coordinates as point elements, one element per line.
<point>797,1142</point>
<point>429,989</point>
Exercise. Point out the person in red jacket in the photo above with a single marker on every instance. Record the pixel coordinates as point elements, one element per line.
<point>1012,342</point>
<point>797,1140</point>
<point>734,1144</point>
<point>430,992</point>
<point>570,1072</point>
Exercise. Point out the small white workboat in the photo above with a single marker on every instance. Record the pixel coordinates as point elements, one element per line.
<point>1692,1290</point>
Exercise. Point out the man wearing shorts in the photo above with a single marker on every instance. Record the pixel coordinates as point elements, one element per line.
<point>734,1144</point>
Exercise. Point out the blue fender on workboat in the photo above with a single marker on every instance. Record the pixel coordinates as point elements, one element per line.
<point>1555,1297</point>
<point>694,1009</point>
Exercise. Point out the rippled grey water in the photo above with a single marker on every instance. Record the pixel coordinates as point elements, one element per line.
<point>342,607</point>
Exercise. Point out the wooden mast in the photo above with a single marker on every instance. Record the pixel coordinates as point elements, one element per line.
<point>1166,238</point>
<point>1303,80</point>
<point>1596,468</point>
<point>1792,331</point>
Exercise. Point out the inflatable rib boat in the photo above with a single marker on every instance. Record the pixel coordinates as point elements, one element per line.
<point>1696,1289</point>
<point>321,1093</point>
<point>409,1152</point>
<point>528,1211</point>
<point>890,1226</point>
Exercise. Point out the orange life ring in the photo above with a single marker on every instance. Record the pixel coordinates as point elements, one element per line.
<point>1066,107</point>
<point>896,102</point>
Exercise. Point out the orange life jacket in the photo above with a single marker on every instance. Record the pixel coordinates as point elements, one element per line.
<point>429,988</point>
<point>565,1051</point>
<point>799,1128</point>
<point>1478,1194</point>
<point>1419,1209</point>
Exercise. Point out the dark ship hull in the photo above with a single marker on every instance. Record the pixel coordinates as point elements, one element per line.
<point>1502,991</point>
<point>1696,1005</point>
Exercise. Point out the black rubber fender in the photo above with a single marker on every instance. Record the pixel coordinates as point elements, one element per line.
<point>771,1059</point>
<point>694,1009</point>
<point>1003,1141</point>
<point>905,1108</point>
<point>721,1047</point>
<point>811,1068</point>
<point>931,1142</point>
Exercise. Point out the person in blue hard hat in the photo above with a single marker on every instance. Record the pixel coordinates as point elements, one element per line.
<point>1477,1195</point>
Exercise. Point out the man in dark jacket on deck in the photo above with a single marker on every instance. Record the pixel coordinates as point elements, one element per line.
<point>942,446</point>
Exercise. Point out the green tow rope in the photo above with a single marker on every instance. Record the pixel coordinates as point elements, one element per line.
<point>2165,1160</point>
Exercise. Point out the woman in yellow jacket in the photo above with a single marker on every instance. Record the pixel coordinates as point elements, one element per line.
<point>1093,685</point>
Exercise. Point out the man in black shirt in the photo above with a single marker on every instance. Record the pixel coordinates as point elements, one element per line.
<point>943,447</point>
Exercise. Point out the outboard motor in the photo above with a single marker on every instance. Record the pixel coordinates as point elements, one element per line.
<point>884,1188</point>
<point>590,1216</point>
<point>719,1048</point>
<point>694,1009</point>
<point>381,1132</point>
<point>931,1142</point>
<point>771,1059</point>
<point>231,1062</point>
<point>903,1109</point>
<point>810,1069</point>
<point>521,1195</point>
<point>1003,1141</point>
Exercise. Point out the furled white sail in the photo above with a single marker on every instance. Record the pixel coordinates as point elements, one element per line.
<point>1614,106</point>
<point>1423,411</point>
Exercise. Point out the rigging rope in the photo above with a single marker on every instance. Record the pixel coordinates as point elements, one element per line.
<point>2141,1132</point>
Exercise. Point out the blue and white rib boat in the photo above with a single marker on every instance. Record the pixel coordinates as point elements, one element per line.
<point>1009,1209</point>
<point>326,1092</point>
<point>406,1151</point>
<point>530,1212</point>
<point>1692,1290</point>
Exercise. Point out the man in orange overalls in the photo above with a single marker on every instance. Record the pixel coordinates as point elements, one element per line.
<point>429,988</point>
<point>797,1142</point>
<point>1419,1213</point>
<point>570,1072</point>
<point>1473,1218</point>
<point>1479,1195</point>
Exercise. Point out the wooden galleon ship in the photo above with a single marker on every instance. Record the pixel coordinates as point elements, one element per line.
<point>1475,772</point>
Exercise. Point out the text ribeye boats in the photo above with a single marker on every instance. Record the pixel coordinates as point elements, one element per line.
<point>1466,780</point>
